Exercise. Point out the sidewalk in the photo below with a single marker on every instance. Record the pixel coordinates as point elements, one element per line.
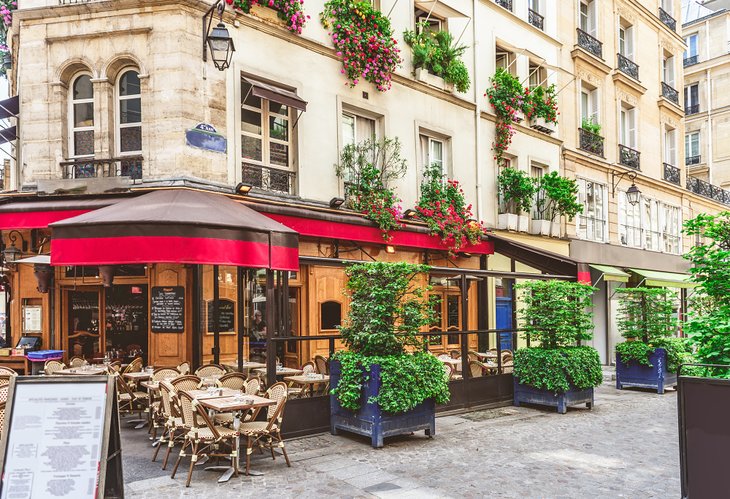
<point>626,447</point>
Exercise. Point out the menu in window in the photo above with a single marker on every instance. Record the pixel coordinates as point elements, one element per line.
<point>55,439</point>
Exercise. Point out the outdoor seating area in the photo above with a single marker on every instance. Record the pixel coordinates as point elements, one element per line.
<point>480,364</point>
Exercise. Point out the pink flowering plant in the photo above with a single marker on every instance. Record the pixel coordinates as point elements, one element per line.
<point>364,40</point>
<point>6,11</point>
<point>367,169</point>
<point>443,208</point>
<point>545,103</point>
<point>289,11</point>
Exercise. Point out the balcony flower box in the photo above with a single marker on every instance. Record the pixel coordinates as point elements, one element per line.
<point>655,376</point>
<point>542,125</point>
<point>423,75</point>
<point>508,221</point>
<point>540,227</point>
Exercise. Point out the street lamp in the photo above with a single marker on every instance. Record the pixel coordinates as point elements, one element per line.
<point>219,41</point>
<point>12,254</point>
<point>633,194</point>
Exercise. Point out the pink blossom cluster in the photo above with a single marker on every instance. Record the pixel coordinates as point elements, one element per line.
<point>290,11</point>
<point>6,9</point>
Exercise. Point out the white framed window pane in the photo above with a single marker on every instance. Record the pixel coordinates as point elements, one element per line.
<point>365,128</point>
<point>584,110</point>
<point>436,153</point>
<point>251,121</point>
<point>129,84</point>
<point>278,128</point>
<point>130,111</point>
<point>83,114</point>
<point>251,148</point>
<point>130,139</point>
<point>83,88</point>
<point>279,154</point>
<point>348,129</point>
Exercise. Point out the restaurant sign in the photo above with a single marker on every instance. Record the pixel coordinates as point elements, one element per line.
<point>205,136</point>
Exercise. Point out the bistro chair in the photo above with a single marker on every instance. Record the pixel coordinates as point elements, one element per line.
<point>128,400</point>
<point>234,381</point>
<point>210,370</point>
<point>184,368</point>
<point>53,366</point>
<point>252,386</point>
<point>455,354</point>
<point>267,433</point>
<point>164,373</point>
<point>134,367</point>
<point>8,371</point>
<point>448,371</point>
<point>321,364</point>
<point>115,367</point>
<point>76,361</point>
<point>508,366</point>
<point>472,355</point>
<point>477,369</point>
<point>2,416</point>
<point>309,368</point>
<point>173,422</point>
<point>203,437</point>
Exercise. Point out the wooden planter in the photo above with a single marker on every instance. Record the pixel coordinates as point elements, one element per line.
<point>655,376</point>
<point>370,420</point>
<point>526,394</point>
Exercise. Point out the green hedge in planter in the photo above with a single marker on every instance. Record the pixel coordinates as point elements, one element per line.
<point>558,369</point>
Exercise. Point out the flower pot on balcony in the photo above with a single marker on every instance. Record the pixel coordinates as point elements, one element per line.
<point>556,229</point>
<point>507,221</point>
<point>541,125</point>
<point>423,75</point>
<point>523,223</point>
<point>540,227</point>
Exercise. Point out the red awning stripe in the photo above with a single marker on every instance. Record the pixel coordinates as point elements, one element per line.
<point>132,250</point>
<point>369,234</point>
<point>35,219</point>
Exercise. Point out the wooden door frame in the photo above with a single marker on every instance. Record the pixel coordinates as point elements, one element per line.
<point>85,288</point>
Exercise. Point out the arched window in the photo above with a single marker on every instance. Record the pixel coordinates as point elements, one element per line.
<point>82,117</point>
<point>129,115</point>
<point>330,315</point>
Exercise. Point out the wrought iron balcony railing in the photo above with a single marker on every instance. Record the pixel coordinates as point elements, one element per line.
<point>629,157</point>
<point>689,61</point>
<point>507,4</point>
<point>589,43</point>
<point>708,190</point>
<point>672,174</point>
<point>692,160</point>
<point>692,109</point>
<point>535,18</point>
<point>269,179</point>
<point>668,20</point>
<point>128,166</point>
<point>670,93</point>
<point>628,67</point>
<point>590,142</point>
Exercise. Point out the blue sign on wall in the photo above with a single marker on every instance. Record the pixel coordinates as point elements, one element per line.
<point>205,136</point>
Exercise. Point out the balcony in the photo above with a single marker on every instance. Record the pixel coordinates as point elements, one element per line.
<point>269,179</point>
<point>629,157</point>
<point>672,174</point>
<point>535,19</point>
<point>668,20</point>
<point>590,44</point>
<point>628,67</point>
<point>507,4</point>
<point>590,142</point>
<point>670,93</point>
<point>708,190</point>
<point>692,160</point>
<point>690,61</point>
<point>129,166</point>
<point>692,109</point>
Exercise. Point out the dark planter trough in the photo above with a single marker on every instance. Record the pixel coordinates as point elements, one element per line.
<point>370,420</point>
<point>655,376</point>
<point>527,394</point>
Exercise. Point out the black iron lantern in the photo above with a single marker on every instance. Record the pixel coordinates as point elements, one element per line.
<point>633,194</point>
<point>221,46</point>
<point>11,254</point>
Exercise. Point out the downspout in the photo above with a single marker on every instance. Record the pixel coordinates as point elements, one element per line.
<point>709,125</point>
<point>477,120</point>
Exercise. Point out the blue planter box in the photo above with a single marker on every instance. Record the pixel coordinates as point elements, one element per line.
<point>655,376</point>
<point>526,394</point>
<point>370,420</point>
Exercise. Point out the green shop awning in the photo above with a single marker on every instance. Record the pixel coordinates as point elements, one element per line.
<point>611,273</point>
<point>664,279</point>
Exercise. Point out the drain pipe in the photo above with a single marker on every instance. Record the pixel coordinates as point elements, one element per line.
<point>477,119</point>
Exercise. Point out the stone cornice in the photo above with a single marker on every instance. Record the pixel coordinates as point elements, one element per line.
<point>525,130</point>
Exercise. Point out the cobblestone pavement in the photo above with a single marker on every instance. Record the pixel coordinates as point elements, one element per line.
<point>626,447</point>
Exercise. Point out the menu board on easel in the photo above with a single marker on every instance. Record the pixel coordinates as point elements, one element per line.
<point>167,309</point>
<point>61,439</point>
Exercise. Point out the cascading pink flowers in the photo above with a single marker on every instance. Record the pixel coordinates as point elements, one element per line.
<point>290,11</point>
<point>6,11</point>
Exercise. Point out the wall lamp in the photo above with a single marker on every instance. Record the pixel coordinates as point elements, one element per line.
<point>12,254</point>
<point>409,213</point>
<point>243,188</point>
<point>219,40</point>
<point>336,202</point>
<point>633,194</point>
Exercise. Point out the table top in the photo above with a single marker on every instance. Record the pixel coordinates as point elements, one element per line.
<point>246,365</point>
<point>83,370</point>
<point>487,355</point>
<point>284,371</point>
<point>455,362</point>
<point>218,393</point>
<point>306,380</point>
<point>227,404</point>
<point>138,375</point>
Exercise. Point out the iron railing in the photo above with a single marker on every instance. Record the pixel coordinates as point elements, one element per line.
<point>507,4</point>
<point>629,157</point>
<point>670,93</point>
<point>692,109</point>
<point>692,160</point>
<point>130,166</point>
<point>535,18</point>
<point>706,189</point>
<point>269,179</point>
<point>590,43</point>
<point>689,61</point>
<point>590,142</point>
<point>628,67</point>
<point>668,20</point>
<point>672,174</point>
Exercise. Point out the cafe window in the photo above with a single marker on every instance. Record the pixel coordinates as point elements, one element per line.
<point>266,130</point>
<point>81,117</point>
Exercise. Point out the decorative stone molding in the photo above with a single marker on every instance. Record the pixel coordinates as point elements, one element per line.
<point>626,12</point>
<point>666,119</point>
<point>589,77</point>
<point>627,97</point>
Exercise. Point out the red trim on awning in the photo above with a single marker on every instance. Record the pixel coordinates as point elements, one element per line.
<point>131,250</point>
<point>35,219</point>
<point>370,234</point>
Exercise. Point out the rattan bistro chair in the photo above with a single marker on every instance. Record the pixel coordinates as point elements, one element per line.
<point>234,381</point>
<point>267,433</point>
<point>210,370</point>
<point>252,386</point>
<point>321,364</point>
<point>53,366</point>
<point>128,400</point>
<point>184,368</point>
<point>174,426</point>
<point>8,371</point>
<point>76,362</point>
<point>477,369</point>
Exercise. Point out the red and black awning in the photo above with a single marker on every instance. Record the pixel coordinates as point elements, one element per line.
<point>40,214</point>
<point>175,226</point>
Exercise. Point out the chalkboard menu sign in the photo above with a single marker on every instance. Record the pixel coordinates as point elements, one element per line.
<point>167,309</point>
<point>226,316</point>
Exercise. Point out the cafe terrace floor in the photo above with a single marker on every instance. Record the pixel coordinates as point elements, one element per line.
<point>626,447</point>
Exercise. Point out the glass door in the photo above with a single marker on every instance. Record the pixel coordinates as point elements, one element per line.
<point>125,321</point>
<point>447,317</point>
<point>83,338</point>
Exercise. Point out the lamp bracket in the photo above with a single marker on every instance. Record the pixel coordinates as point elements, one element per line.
<point>615,181</point>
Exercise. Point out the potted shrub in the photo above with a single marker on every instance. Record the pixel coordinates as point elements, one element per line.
<point>386,383</point>
<point>650,356</point>
<point>559,372</point>
<point>544,113</point>
<point>516,190</point>
<point>560,196</point>
<point>437,59</point>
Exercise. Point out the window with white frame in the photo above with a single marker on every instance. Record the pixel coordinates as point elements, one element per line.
<point>536,172</point>
<point>433,153</point>
<point>626,40</point>
<point>692,99</point>
<point>670,146</point>
<point>627,123</point>
<point>629,222</point>
<point>589,105</point>
<point>650,223</point>
<point>504,59</point>
<point>668,6</point>
<point>591,224</point>
<point>433,22</point>
<point>668,69</point>
<point>129,114</point>
<point>537,76</point>
<point>691,42</point>
<point>692,148</point>
<point>266,130</point>
<point>671,228</point>
<point>356,129</point>
<point>81,117</point>
<point>587,16</point>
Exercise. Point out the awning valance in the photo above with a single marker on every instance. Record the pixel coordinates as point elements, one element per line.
<point>39,214</point>
<point>175,226</point>
<point>276,94</point>
<point>664,279</point>
<point>541,259</point>
<point>611,273</point>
